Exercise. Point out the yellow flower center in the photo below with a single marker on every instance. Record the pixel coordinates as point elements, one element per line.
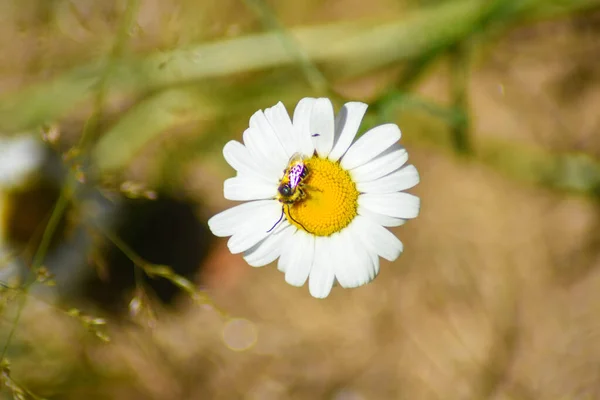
<point>331,200</point>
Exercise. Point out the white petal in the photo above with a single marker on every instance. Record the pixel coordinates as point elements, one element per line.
<point>282,125</point>
<point>244,188</point>
<point>353,266</point>
<point>298,259</point>
<point>399,205</point>
<point>281,267</point>
<point>388,161</point>
<point>370,145</point>
<point>227,222</point>
<point>401,179</point>
<point>375,262</point>
<point>322,125</point>
<point>245,239</point>
<point>285,258</point>
<point>261,152</point>
<point>322,273</point>
<point>275,148</point>
<point>383,220</point>
<point>365,269</point>
<point>267,251</point>
<point>254,229</point>
<point>376,238</point>
<point>342,259</point>
<point>347,123</point>
<point>302,115</point>
<point>238,156</point>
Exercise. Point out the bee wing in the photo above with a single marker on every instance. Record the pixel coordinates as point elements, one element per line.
<point>296,158</point>
<point>295,175</point>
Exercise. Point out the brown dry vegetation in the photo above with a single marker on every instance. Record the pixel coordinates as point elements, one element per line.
<point>497,295</point>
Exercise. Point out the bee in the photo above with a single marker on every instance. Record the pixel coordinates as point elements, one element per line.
<point>291,186</point>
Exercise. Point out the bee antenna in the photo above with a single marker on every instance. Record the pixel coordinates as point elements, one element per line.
<point>293,219</point>
<point>278,221</point>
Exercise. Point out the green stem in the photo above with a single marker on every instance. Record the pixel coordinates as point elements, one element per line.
<point>459,93</point>
<point>63,200</point>
<point>314,77</point>
<point>102,86</point>
<point>347,49</point>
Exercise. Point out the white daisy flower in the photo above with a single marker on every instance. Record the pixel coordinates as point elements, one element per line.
<point>315,198</point>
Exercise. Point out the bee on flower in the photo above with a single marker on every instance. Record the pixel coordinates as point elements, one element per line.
<point>332,202</point>
<point>291,186</point>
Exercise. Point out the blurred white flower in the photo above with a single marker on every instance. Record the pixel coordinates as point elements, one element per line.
<point>20,157</point>
<point>315,198</point>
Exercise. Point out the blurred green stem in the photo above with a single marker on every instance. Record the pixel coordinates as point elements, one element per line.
<point>314,77</point>
<point>102,87</point>
<point>459,94</point>
<point>160,271</point>
<point>67,190</point>
<point>40,254</point>
<point>346,49</point>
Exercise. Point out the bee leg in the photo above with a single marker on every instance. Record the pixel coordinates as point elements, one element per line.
<point>293,219</point>
<point>279,220</point>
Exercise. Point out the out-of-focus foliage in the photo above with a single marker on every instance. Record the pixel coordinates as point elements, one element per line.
<point>496,294</point>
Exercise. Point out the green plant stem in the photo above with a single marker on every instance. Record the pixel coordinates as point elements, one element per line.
<point>346,49</point>
<point>459,93</point>
<point>161,271</point>
<point>66,192</point>
<point>315,78</point>
<point>102,87</point>
<point>38,259</point>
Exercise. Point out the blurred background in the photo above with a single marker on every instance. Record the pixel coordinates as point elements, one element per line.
<point>113,115</point>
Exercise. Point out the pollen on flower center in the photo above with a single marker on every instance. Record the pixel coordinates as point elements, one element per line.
<point>331,199</point>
